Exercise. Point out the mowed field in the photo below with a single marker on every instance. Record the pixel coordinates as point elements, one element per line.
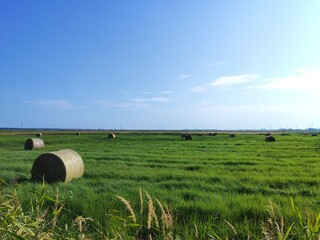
<point>213,184</point>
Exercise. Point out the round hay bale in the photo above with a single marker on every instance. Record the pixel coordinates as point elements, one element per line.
<point>63,165</point>
<point>268,134</point>
<point>188,137</point>
<point>77,133</point>
<point>39,134</point>
<point>111,135</point>
<point>314,134</point>
<point>33,143</point>
<point>270,139</point>
<point>232,135</point>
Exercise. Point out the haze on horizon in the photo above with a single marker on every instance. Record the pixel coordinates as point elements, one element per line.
<point>160,64</point>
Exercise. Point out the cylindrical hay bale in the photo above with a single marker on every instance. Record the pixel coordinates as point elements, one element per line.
<point>270,139</point>
<point>63,165</point>
<point>39,134</point>
<point>314,134</point>
<point>188,137</point>
<point>77,133</point>
<point>111,135</point>
<point>33,143</point>
<point>232,135</point>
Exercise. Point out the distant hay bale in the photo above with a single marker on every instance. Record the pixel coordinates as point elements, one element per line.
<point>39,134</point>
<point>183,135</point>
<point>77,133</point>
<point>314,134</point>
<point>270,139</point>
<point>268,134</point>
<point>188,137</point>
<point>213,134</point>
<point>199,134</point>
<point>33,143</point>
<point>232,135</point>
<point>63,165</point>
<point>111,135</point>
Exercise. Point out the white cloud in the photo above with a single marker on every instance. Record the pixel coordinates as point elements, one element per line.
<point>234,80</point>
<point>133,104</point>
<point>166,92</point>
<point>60,103</point>
<point>121,105</point>
<point>154,99</point>
<point>144,92</point>
<point>307,80</point>
<point>200,89</point>
<point>183,77</point>
<point>210,65</point>
<point>226,81</point>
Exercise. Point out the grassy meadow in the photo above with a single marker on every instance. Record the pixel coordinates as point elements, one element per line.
<point>215,187</point>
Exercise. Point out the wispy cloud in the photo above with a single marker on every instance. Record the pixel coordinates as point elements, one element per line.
<point>121,105</point>
<point>133,104</point>
<point>59,104</point>
<point>183,76</point>
<point>154,99</point>
<point>200,89</point>
<point>210,65</point>
<point>234,80</point>
<point>144,92</point>
<point>307,80</point>
<point>226,81</point>
<point>166,92</point>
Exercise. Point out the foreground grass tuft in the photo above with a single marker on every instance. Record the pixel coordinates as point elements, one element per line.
<point>152,220</point>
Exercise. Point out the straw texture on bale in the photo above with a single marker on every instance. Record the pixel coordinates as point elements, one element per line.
<point>111,135</point>
<point>188,137</point>
<point>39,135</point>
<point>63,165</point>
<point>270,139</point>
<point>33,143</point>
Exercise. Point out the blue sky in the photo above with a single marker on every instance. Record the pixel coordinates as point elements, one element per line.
<point>234,64</point>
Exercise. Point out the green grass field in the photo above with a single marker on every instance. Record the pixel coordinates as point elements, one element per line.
<point>214,184</point>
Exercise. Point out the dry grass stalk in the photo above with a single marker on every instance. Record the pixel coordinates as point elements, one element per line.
<point>196,231</point>
<point>141,201</point>
<point>129,208</point>
<point>151,212</point>
<point>274,228</point>
<point>166,218</point>
<point>232,227</point>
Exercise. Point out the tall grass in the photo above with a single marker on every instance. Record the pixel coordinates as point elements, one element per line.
<point>151,221</point>
<point>211,183</point>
